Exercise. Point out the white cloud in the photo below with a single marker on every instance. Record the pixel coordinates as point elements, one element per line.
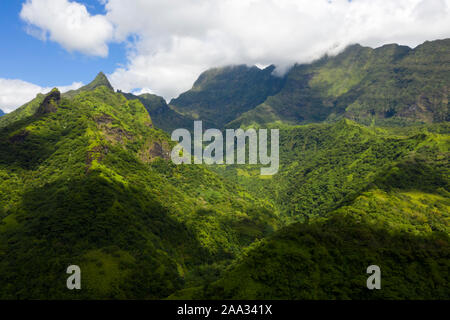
<point>175,40</point>
<point>69,24</point>
<point>14,93</point>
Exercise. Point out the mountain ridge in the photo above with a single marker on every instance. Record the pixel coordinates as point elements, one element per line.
<point>411,86</point>
<point>221,94</point>
<point>99,80</point>
<point>387,84</point>
<point>86,179</point>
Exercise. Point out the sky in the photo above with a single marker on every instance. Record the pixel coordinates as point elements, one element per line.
<point>162,46</point>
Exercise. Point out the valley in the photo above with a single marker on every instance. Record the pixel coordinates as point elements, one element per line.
<point>86,179</point>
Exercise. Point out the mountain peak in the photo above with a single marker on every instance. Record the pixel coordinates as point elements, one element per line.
<point>50,103</point>
<point>100,80</point>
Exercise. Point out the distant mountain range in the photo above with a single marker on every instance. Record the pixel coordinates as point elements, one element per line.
<point>86,179</point>
<point>389,85</point>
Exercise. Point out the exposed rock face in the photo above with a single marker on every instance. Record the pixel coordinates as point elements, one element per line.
<point>112,134</point>
<point>103,119</point>
<point>50,103</point>
<point>116,134</point>
<point>155,149</point>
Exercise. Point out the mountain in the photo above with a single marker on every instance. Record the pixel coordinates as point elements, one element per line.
<point>162,115</point>
<point>220,95</point>
<point>31,107</point>
<point>389,85</point>
<point>99,81</point>
<point>325,166</point>
<point>1,113</point>
<point>392,85</point>
<point>399,224</point>
<point>328,260</point>
<point>86,180</point>
<point>364,197</point>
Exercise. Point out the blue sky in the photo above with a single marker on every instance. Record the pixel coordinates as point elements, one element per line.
<point>46,63</point>
<point>162,46</point>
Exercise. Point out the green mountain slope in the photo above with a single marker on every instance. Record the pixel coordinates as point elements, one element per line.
<point>162,115</point>
<point>328,260</point>
<point>365,196</point>
<point>1,113</point>
<point>392,84</point>
<point>28,109</point>
<point>400,222</point>
<point>324,166</point>
<point>220,95</point>
<point>85,180</point>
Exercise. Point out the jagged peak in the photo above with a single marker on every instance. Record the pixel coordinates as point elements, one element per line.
<point>50,103</point>
<point>100,80</point>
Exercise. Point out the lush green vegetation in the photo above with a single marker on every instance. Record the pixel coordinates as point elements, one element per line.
<point>328,260</point>
<point>90,184</point>
<point>220,95</point>
<point>395,215</point>
<point>85,179</point>
<point>24,111</point>
<point>162,115</point>
<point>388,85</point>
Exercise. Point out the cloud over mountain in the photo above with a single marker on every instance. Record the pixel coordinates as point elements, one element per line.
<point>173,41</point>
